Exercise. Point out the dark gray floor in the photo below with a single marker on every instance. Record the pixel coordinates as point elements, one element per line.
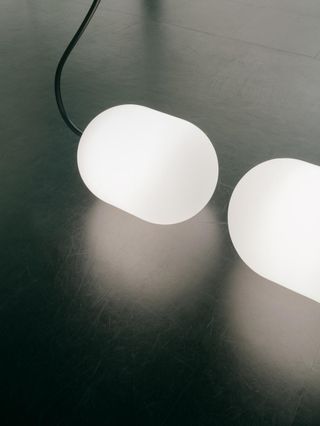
<point>107,320</point>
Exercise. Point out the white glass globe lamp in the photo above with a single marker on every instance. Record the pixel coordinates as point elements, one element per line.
<point>152,165</point>
<point>274,223</point>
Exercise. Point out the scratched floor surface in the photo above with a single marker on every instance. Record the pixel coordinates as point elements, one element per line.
<point>105,319</point>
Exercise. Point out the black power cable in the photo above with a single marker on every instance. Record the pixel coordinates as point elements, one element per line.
<point>57,79</point>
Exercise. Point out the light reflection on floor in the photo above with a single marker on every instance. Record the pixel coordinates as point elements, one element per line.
<point>274,329</point>
<point>135,259</point>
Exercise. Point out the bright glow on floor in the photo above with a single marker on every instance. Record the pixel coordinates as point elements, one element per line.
<point>154,266</point>
<point>274,223</point>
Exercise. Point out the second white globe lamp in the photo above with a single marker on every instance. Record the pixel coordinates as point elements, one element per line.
<point>274,223</point>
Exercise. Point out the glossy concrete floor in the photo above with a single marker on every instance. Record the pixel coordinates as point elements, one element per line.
<point>105,319</point>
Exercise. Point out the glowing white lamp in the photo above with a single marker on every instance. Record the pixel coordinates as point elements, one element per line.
<point>274,223</point>
<point>157,167</point>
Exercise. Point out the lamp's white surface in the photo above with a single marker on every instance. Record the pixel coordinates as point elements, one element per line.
<point>274,223</point>
<point>155,166</point>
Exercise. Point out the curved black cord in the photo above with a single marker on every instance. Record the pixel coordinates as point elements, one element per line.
<point>57,79</point>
